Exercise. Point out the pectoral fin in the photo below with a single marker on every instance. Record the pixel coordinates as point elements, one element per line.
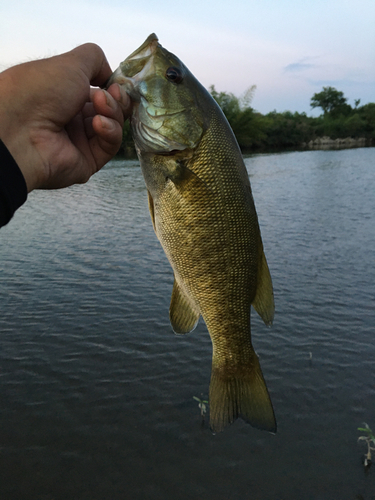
<point>263,302</point>
<point>183,313</point>
<point>184,179</point>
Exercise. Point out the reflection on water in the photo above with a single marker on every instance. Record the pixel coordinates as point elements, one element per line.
<point>96,392</point>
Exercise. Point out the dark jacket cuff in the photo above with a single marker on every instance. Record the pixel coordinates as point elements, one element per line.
<point>13,189</point>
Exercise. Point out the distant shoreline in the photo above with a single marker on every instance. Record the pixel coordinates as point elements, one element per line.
<point>328,143</point>
<point>320,143</point>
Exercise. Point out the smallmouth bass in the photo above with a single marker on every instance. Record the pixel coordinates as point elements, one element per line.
<point>204,216</point>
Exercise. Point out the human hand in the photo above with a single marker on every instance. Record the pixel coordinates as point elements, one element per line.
<point>57,127</point>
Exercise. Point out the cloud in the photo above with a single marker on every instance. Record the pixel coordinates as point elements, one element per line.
<point>266,47</point>
<point>299,66</point>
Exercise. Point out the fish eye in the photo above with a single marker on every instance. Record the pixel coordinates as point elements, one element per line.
<point>174,74</point>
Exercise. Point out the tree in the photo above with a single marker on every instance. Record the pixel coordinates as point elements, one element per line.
<point>367,113</point>
<point>245,122</point>
<point>228,102</point>
<point>331,101</point>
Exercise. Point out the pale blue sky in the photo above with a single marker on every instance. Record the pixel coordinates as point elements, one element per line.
<point>289,49</point>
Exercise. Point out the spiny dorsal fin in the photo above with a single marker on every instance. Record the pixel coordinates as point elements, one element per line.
<point>263,302</point>
<point>183,313</point>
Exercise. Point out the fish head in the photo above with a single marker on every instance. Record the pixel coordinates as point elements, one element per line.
<point>166,116</point>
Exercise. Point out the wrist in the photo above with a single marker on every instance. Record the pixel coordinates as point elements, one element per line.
<point>14,127</point>
<point>23,155</point>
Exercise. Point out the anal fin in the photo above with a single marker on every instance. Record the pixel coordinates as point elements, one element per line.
<point>183,313</point>
<point>263,302</point>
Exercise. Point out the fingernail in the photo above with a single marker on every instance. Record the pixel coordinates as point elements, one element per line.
<point>108,99</point>
<point>124,97</point>
<point>106,123</point>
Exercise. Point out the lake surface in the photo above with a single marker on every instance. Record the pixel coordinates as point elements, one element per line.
<point>96,392</point>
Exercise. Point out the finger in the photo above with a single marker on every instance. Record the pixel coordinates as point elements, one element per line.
<point>88,110</point>
<point>120,95</point>
<point>106,105</point>
<point>107,139</point>
<point>89,130</point>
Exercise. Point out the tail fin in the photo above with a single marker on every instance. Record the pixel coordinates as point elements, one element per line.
<point>242,393</point>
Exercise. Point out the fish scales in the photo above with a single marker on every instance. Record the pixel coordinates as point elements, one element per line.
<point>204,216</point>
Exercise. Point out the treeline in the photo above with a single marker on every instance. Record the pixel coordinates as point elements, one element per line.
<point>275,131</point>
<point>279,131</point>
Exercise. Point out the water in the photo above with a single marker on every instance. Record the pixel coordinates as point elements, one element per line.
<point>96,392</point>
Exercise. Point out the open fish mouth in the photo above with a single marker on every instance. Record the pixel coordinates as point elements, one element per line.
<point>135,67</point>
<point>145,50</point>
<point>151,120</point>
<point>132,72</point>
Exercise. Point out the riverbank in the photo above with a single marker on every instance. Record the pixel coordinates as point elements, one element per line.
<point>328,143</point>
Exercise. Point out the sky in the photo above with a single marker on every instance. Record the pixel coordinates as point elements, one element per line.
<point>289,49</point>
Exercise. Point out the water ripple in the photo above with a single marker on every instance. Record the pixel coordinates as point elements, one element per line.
<point>97,392</point>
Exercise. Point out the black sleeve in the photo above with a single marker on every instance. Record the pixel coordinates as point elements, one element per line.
<point>13,190</point>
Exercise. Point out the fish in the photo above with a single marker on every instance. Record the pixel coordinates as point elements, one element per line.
<point>203,214</point>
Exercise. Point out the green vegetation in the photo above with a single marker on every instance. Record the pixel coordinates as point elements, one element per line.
<point>331,101</point>
<point>127,144</point>
<point>280,131</point>
<point>202,405</point>
<point>287,130</point>
<point>369,439</point>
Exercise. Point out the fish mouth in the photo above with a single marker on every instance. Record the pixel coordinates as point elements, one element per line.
<point>151,118</point>
<point>132,70</point>
<point>147,48</point>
